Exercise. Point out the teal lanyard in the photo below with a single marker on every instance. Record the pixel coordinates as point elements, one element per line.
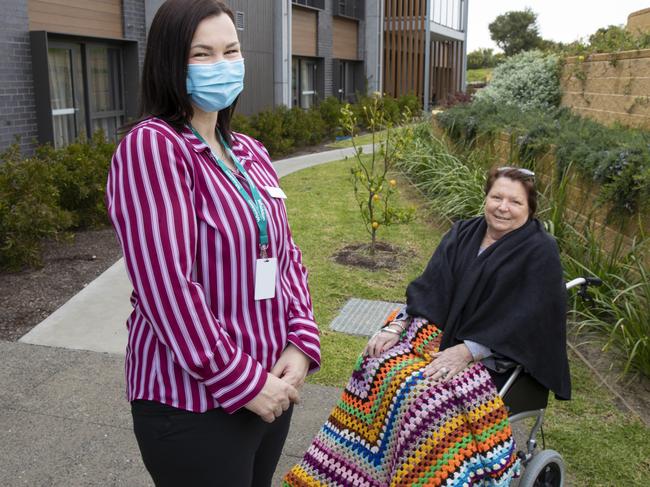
<point>256,203</point>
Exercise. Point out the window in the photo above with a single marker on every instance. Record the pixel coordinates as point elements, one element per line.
<point>104,69</point>
<point>350,77</point>
<point>66,92</point>
<point>303,82</point>
<point>82,85</point>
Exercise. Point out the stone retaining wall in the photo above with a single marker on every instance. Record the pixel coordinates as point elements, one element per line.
<point>582,196</point>
<point>609,87</point>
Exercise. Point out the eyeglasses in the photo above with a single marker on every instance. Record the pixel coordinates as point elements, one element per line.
<point>523,171</point>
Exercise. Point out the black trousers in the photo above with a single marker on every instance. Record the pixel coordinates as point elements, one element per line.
<point>211,449</point>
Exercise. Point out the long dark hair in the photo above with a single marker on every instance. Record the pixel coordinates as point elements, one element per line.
<point>164,91</point>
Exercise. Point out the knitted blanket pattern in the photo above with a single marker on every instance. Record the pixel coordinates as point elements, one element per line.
<point>395,427</point>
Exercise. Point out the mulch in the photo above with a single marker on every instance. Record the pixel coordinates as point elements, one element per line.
<point>31,295</point>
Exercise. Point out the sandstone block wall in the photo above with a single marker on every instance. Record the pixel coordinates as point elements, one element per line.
<point>639,20</point>
<point>582,195</point>
<point>609,87</point>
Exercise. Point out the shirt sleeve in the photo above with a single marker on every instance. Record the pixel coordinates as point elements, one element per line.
<point>478,351</point>
<point>151,206</point>
<point>303,331</point>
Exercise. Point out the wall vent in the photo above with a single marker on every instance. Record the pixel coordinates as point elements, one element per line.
<point>239,20</point>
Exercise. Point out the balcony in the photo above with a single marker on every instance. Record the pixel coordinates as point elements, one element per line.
<point>353,9</point>
<point>317,4</point>
<point>448,14</point>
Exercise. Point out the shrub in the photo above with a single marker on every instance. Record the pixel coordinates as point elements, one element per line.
<point>283,129</point>
<point>304,127</point>
<point>318,129</point>
<point>453,99</point>
<point>330,112</point>
<point>616,158</point>
<point>481,58</point>
<point>29,209</point>
<point>409,103</point>
<point>271,132</point>
<point>80,171</point>
<point>529,80</point>
<point>610,39</point>
<point>244,125</point>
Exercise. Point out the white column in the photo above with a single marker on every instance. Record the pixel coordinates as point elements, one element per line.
<point>465,4</point>
<point>282,53</point>
<point>427,57</point>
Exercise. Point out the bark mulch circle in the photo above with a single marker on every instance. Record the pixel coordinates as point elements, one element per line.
<point>386,256</point>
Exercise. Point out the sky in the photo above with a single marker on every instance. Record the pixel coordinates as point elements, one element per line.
<point>558,20</point>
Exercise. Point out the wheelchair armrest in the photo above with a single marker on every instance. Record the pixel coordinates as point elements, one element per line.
<point>524,393</point>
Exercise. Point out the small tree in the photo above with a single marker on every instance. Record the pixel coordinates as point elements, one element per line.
<point>516,31</point>
<point>481,58</point>
<point>373,189</point>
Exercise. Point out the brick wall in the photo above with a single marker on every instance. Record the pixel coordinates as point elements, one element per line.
<point>17,106</point>
<point>135,25</point>
<point>609,87</point>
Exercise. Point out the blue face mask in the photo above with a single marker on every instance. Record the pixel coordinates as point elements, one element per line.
<point>214,87</point>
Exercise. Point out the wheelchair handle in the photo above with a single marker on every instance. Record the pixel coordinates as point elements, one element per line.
<point>584,281</point>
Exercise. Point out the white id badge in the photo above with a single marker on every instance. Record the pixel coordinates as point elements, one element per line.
<point>276,192</point>
<point>265,272</point>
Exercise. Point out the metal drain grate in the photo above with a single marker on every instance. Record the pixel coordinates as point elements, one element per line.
<point>362,316</point>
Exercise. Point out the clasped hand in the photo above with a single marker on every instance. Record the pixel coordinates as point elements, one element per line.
<point>282,385</point>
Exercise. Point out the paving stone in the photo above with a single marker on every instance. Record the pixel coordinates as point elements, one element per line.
<point>362,316</point>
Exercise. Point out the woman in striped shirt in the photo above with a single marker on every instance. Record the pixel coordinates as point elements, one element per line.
<point>222,332</point>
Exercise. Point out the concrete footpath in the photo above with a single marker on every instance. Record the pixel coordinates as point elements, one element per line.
<point>64,420</point>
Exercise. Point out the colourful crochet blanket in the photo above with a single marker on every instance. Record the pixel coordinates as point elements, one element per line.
<point>394,427</point>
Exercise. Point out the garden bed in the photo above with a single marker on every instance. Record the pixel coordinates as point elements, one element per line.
<point>31,295</point>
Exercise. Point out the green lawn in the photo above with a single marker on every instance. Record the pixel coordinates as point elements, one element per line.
<point>481,74</point>
<point>324,217</point>
<point>601,445</point>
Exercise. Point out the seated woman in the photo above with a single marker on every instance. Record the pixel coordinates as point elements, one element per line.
<point>421,407</point>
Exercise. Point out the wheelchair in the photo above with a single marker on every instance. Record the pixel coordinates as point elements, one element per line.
<point>525,398</point>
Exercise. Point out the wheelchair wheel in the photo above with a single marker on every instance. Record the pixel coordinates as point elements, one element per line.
<point>546,469</point>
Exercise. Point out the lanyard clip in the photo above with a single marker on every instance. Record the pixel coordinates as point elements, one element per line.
<point>263,253</point>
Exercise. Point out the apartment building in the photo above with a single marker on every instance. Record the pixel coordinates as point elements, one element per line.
<point>71,67</point>
<point>424,48</point>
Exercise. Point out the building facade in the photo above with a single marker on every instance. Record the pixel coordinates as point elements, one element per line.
<point>68,68</point>
<point>71,68</point>
<point>425,48</point>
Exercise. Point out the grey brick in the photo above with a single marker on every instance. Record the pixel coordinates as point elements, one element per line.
<point>16,95</point>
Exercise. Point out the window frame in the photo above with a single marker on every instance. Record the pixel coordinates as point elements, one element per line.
<point>296,81</point>
<point>313,4</point>
<point>40,41</point>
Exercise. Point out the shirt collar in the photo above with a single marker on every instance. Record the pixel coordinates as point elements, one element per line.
<point>195,143</point>
<point>239,149</point>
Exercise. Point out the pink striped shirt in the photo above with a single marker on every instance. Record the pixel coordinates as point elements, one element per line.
<point>197,338</point>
